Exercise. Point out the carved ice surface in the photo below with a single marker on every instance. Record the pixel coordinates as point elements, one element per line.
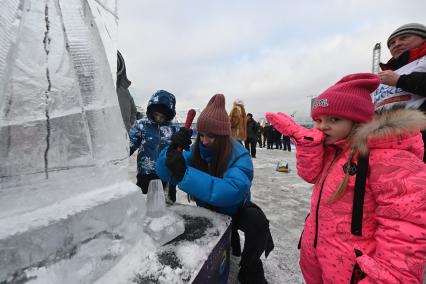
<point>60,123</point>
<point>63,144</point>
<point>162,224</point>
<point>165,228</point>
<point>156,204</point>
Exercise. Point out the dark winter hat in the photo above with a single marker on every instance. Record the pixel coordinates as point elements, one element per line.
<point>249,114</point>
<point>214,118</point>
<point>412,28</point>
<point>350,98</point>
<point>162,102</point>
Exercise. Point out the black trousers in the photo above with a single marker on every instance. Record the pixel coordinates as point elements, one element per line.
<point>270,144</point>
<point>250,145</point>
<point>259,140</point>
<point>286,143</point>
<point>253,222</point>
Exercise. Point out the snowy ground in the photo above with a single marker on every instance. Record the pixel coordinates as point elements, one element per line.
<point>284,198</point>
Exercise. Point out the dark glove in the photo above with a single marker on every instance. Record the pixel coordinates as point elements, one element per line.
<point>144,180</point>
<point>182,138</point>
<point>176,163</point>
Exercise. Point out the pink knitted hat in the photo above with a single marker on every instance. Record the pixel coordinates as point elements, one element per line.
<point>214,118</point>
<point>350,98</point>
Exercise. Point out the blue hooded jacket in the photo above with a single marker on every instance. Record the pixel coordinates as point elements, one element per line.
<point>225,195</point>
<point>151,137</point>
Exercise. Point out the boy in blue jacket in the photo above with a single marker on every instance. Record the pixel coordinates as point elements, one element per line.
<point>152,134</point>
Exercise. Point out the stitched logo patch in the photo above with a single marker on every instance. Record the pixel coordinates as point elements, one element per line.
<point>320,103</point>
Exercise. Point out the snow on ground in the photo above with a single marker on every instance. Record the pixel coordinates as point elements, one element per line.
<point>284,197</point>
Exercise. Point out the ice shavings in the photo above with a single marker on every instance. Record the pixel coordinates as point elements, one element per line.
<point>192,255</point>
<point>165,228</point>
<point>158,224</point>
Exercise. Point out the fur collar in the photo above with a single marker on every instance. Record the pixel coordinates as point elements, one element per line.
<point>389,125</point>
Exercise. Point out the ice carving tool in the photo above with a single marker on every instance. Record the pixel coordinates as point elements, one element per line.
<point>189,118</point>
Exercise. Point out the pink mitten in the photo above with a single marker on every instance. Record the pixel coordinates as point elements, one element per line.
<point>287,126</point>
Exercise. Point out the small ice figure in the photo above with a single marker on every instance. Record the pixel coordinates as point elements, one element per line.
<point>161,224</point>
<point>156,202</point>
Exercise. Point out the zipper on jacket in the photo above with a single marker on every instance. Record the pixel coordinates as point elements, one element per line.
<point>319,197</point>
<point>157,148</point>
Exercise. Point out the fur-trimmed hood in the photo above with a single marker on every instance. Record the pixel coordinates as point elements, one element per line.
<point>397,129</point>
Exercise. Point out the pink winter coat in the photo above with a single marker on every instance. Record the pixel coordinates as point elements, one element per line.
<point>393,241</point>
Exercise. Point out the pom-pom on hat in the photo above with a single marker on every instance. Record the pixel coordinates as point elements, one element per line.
<point>412,28</point>
<point>214,118</point>
<point>350,98</point>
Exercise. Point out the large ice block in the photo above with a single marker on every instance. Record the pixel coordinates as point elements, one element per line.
<point>63,145</point>
<point>60,123</point>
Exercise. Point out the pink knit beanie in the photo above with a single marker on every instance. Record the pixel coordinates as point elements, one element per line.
<point>214,118</point>
<point>350,98</point>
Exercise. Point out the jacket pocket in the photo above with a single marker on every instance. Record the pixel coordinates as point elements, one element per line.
<point>301,234</point>
<point>357,273</point>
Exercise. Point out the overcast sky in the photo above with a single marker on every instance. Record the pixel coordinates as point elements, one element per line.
<point>271,54</point>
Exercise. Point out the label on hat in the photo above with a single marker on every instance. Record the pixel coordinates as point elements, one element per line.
<point>385,97</point>
<point>320,103</point>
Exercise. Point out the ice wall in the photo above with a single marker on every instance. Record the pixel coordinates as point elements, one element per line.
<point>60,123</point>
<point>63,145</point>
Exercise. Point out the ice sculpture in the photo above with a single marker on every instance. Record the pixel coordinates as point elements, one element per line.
<point>156,201</point>
<point>161,224</point>
<point>63,145</point>
<point>60,124</point>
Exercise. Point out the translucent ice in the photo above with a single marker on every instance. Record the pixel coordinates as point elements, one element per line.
<point>156,204</point>
<point>60,124</point>
<point>161,224</point>
<point>63,145</point>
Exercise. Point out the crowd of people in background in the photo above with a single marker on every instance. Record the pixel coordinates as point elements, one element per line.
<point>251,133</point>
<point>268,136</point>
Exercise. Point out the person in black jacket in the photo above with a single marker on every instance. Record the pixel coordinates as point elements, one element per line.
<point>250,142</point>
<point>403,79</point>
<point>286,143</point>
<point>260,135</point>
<point>269,132</point>
<point>277,140</point>
<point>125,99</point>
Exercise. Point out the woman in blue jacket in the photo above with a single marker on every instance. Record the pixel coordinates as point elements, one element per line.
<point>217,171</point>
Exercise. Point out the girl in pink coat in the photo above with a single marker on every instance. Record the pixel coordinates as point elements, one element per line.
<point>367,222</point>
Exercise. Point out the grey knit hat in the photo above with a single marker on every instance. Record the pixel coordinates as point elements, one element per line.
<point>214,118</point>
<point>412,28</point>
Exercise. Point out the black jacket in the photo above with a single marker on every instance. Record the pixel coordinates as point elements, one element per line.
<point>251,129</point>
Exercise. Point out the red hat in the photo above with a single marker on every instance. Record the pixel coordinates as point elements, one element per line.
<point>350,98</point>
<point>214,118</point>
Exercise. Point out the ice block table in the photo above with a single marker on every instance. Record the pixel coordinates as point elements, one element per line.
<point>200,255</point>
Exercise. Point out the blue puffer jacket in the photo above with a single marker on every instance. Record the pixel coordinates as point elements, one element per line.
<point>150,137</point>
<point>225,195</point>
